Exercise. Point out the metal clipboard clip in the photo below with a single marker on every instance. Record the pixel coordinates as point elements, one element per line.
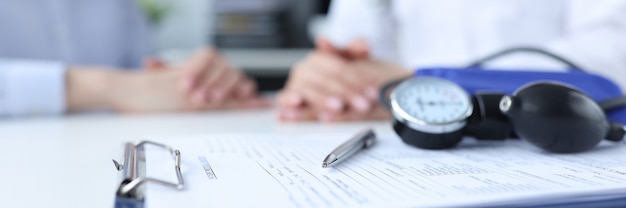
<point>130,193</point>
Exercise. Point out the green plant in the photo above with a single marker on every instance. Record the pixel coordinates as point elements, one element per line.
<point>155,10</point>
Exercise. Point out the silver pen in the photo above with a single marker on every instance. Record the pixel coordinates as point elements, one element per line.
<point>362,140</point>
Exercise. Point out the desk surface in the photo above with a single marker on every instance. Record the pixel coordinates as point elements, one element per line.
<point>66,161</point>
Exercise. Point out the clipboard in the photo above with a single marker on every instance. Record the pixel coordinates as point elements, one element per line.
<point>378,188</point>
<point>132,171</point>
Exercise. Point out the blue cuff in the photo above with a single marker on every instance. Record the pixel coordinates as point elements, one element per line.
<point>31,88</point>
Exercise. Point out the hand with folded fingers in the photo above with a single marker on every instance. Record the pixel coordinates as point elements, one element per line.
<point>204,81</point>
<point>333,84</point>
<point>208,78</point>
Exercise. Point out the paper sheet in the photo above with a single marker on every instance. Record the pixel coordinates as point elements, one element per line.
<point>244,170</point>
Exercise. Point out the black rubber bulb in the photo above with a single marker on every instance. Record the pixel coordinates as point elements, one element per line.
<point>556,117</point>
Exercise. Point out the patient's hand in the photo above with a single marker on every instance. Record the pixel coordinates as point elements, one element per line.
<point>335,85</point>
<point>204,81</point>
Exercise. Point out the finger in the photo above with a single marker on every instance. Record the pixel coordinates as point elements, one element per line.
<point>358,49</point>
<point>246,88</point>
<point>340,89</point>
<point>324,82</point>
<point>154,64</point>
<point>207,88</point>
<point>344,81</point>
<point>356,77</point>
<point>313,86</point>
<point>292,107</point>
<point>290,99</point>
<point>323,44</point>
<point>196,67</point>
<point>223,87</point>
<point>319,99</point>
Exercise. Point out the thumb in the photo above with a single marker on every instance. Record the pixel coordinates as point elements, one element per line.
<point>358,49</point>
<point>323,44</point>
<point>153,64</point>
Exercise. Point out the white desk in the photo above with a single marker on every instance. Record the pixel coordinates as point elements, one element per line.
<point>66,162</point>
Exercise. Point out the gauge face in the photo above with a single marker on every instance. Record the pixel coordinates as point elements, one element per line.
<point>431,100</point>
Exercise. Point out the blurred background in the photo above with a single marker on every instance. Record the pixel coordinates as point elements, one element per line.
<point>262,37</point>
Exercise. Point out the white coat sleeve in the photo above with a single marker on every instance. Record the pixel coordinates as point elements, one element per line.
<point>595,38</point>
<point>370,20</point>
<point>31,88</point>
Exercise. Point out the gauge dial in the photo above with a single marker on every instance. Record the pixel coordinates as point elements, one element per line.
<point>429,100</point>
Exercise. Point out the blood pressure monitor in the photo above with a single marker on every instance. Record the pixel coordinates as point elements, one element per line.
<point>435,113</point>
<point>432,109</point>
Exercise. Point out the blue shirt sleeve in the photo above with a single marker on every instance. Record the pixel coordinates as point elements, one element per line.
<point>111,33</point>
<point>31,88</point>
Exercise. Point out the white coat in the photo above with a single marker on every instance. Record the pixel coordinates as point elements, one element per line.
<point>427,33</point>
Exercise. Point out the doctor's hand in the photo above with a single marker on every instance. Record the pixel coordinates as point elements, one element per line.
<point>336,85</point>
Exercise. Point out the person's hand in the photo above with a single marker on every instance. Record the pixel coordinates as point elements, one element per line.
<point>357,49</point>
<point>208,78</point>
<point>336,85</point>
<point>205,81</point>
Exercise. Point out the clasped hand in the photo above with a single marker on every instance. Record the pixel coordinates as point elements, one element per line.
<point>333,84</point>
<point>204,81</point>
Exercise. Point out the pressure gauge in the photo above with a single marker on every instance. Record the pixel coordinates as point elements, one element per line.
<point>430,112</point>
